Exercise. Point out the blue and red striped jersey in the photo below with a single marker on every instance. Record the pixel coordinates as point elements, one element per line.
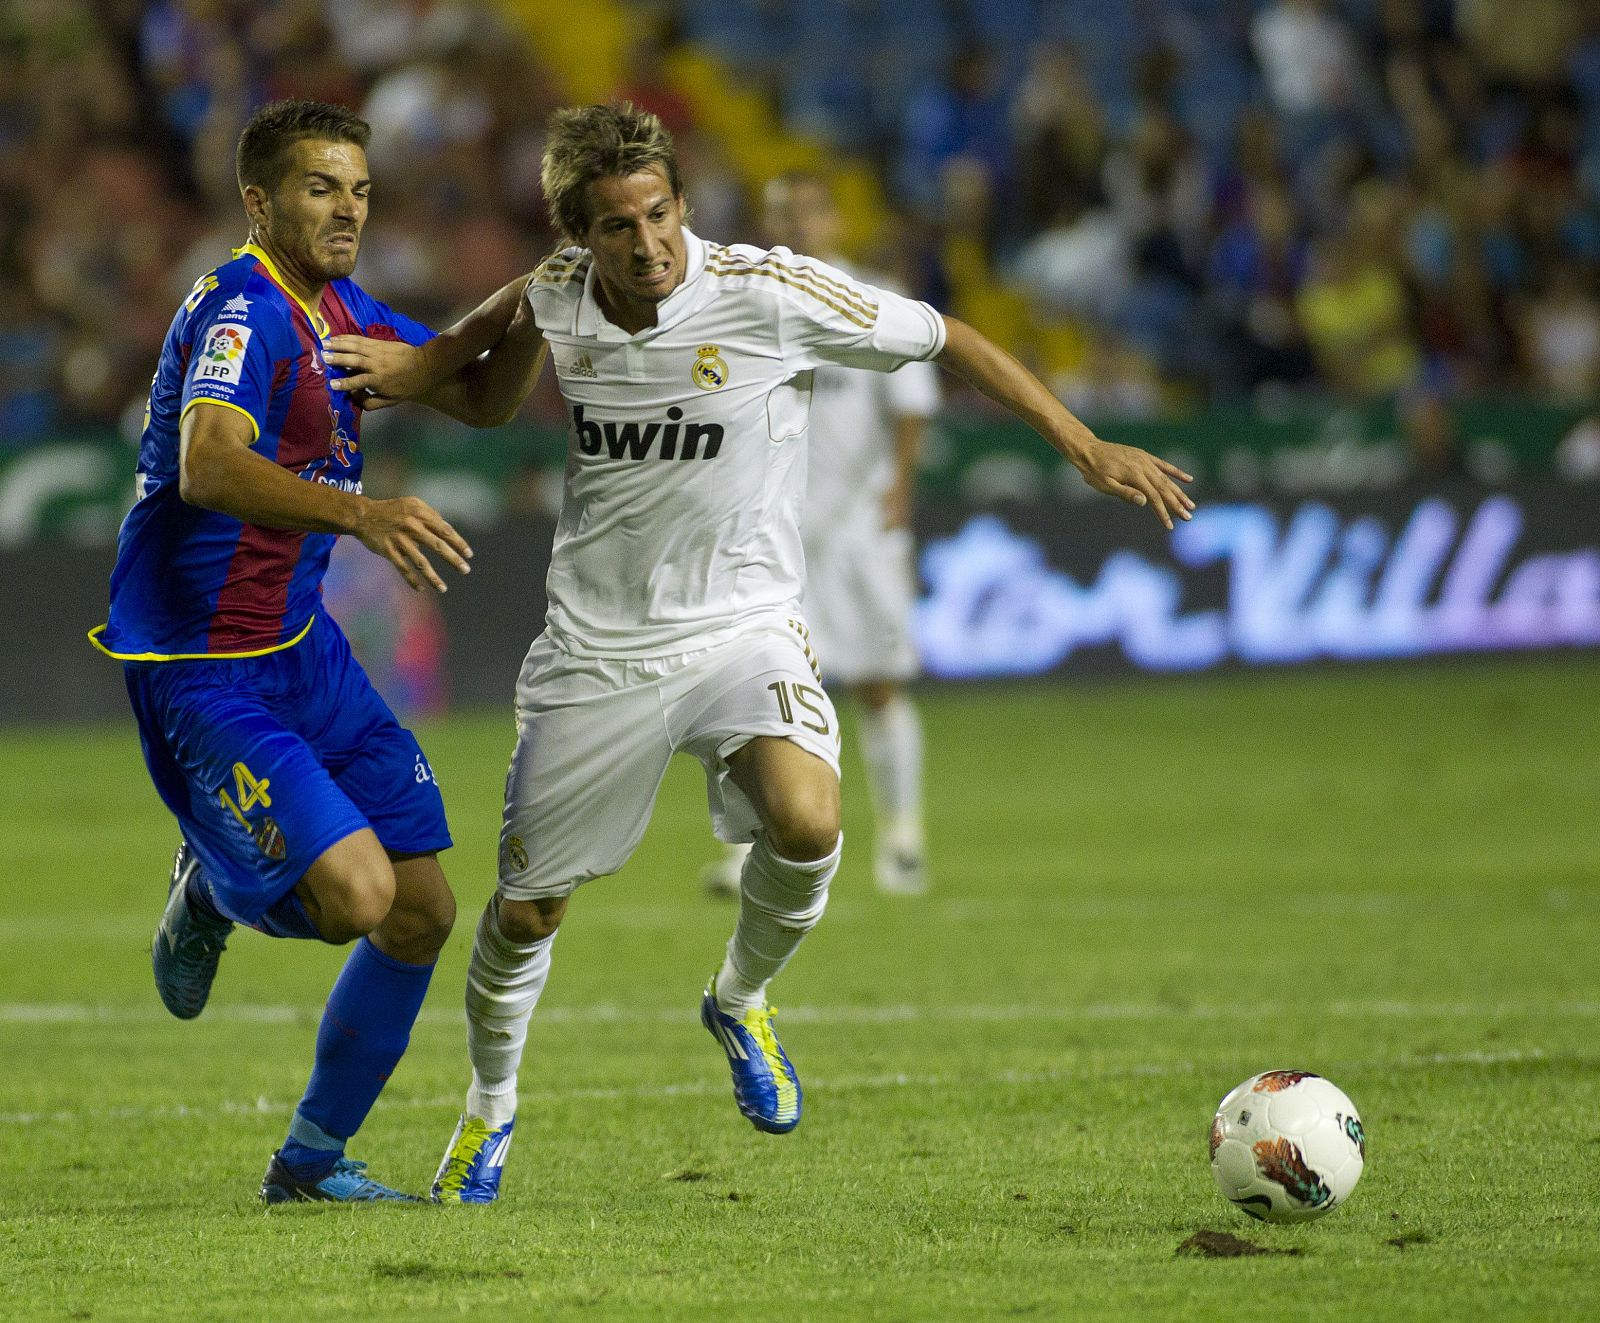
<point>190,582</point>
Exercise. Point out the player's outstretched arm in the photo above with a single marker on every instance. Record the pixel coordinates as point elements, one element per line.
<point>909,431</point>
<point>1135,475</point>
<point>219,471</point>
<point>479,371</point>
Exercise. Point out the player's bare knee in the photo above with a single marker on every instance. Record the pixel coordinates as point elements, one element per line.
<point>806,827</point>
<point>438,916</point>
<point>524,921</point>
<point>350,889</point>
<point>364,911</point>
<point>424,909</point>
<point>418,925</point>
<point>356,902</point>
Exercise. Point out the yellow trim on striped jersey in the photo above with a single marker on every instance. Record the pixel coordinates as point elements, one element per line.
<point>200,289</point>
<point>845,293</point>
<point>94,638</point>
<point>319,323</point>
<point>223,404</point>
<point>849,314</point>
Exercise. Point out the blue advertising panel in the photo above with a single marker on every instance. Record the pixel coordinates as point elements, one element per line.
<point>1032,589</point>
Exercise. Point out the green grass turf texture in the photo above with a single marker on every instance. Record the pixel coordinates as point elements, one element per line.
<point>1145,892</point>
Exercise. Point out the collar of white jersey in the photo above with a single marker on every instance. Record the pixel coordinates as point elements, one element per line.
<point>673,308</point>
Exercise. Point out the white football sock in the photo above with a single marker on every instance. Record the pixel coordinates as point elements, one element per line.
<point>504,981</point>
<point>780,901</point>
<point>891,747</point>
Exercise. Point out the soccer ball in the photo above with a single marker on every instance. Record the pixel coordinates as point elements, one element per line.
<point>1287,1146</point>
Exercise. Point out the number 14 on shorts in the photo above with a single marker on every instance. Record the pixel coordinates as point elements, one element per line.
<point>250,792</point>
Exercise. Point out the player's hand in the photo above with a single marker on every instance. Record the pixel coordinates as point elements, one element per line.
<point>387,371</point>
<point>1138,477</point>
<point>405,531</point>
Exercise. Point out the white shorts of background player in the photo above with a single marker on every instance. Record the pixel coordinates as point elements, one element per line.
<point>860,591</point>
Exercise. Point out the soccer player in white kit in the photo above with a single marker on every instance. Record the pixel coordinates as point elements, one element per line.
<point>674,618</point>
<point>866,437</point>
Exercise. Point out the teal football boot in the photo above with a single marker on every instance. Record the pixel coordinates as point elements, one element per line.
<point>347,1183</point>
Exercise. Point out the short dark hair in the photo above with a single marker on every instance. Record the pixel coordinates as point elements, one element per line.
<point>277,126</point>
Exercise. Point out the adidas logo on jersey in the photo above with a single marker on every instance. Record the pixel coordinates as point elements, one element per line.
<point>676,439</point>
<point>582,367</point>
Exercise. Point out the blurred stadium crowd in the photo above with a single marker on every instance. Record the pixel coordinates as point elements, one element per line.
<point>1210,199</point>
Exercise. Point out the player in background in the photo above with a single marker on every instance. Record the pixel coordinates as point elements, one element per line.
<point>861,472</point>
<point>306,810</point>
<point>675,581</point>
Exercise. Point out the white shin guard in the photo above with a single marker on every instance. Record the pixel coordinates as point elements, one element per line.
<point>504,981</point>
<point>780,901</point>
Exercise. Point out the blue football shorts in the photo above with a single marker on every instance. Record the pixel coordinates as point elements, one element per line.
<point>267,761</point>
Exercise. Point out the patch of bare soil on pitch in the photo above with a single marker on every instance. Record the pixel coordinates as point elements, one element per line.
<point>1222,1245</point>
<point>416,1271</point>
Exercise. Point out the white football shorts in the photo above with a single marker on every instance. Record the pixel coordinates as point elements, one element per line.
<point>594,736</point>
<point>860,591</point>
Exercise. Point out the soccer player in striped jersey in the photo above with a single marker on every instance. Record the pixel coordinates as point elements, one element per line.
<point>675,582</point>
<point>306,809</point>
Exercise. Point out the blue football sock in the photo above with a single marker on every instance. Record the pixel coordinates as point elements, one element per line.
<point>197,892</point>
<point>364,1032</point>
<point>287,917</point>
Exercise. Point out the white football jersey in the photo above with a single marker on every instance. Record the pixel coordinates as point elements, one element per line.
<point>851,461</point>
<point>686,469</point>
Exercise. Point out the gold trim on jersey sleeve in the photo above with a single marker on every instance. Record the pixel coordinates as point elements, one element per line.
<point>559,270</point>
<point>866,319</point>
<point>94,638</point>
<point>223,404</point>
<point>854,295</point>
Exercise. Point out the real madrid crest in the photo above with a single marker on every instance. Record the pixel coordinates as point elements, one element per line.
<point>517,854</point>
<point>709,372</point>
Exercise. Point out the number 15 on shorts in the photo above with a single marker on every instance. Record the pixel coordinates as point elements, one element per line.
<point>791,695</point>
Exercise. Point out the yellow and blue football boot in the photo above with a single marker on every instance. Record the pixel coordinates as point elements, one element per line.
<point>348,1182</point>
<point>764,1083</point>
<point>470,1171</point>
<point>187,944</point>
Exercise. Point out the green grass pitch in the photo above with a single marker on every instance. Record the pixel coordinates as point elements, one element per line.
<point>1144,892</point>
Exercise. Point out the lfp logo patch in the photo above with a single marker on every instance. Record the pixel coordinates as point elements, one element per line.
<point>221,358</point>
<point>709,372</point>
